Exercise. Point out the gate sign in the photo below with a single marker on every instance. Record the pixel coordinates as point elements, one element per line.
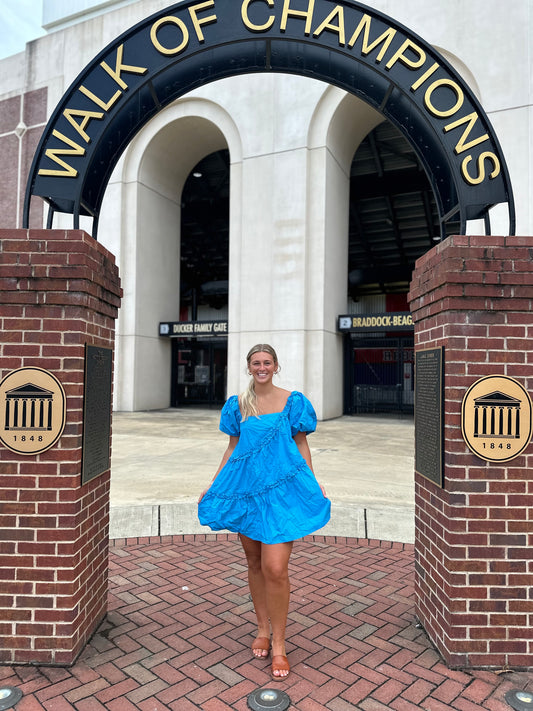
<point>341,42</point>
<point>496,418</point>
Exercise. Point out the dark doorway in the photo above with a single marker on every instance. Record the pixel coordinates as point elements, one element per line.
<point>205,237</point>
<point>199,365</point>
<point>198,372</point>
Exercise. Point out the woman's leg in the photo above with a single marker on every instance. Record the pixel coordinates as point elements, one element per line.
<point>252,550</point>
<point>275,569</point>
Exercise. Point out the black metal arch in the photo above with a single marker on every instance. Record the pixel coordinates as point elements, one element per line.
<point>340,42</point>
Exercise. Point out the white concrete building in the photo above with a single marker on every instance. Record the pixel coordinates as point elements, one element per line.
<point>309,206</point>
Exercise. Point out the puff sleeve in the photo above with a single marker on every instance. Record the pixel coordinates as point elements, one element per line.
<point>302,416</point>
<point>230,417</point>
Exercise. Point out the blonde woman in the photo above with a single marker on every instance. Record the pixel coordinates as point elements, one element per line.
<point>265,490</point>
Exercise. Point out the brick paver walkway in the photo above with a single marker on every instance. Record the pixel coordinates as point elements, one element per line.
<point>180,626</point>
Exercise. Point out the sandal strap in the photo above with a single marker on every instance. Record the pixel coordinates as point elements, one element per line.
<point>261,643</point>
<point>280,663</point>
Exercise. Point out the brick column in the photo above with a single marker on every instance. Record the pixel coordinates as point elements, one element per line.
<point>60,290</point>
<point>474,552</point>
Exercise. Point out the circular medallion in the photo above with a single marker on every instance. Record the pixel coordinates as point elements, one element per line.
<point>32,410</point>
<point>496,418</point>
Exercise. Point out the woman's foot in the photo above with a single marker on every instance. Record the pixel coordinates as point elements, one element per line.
<point>280,667</point>
<point>261,647</point>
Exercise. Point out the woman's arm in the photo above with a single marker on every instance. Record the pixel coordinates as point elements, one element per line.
<point>301,442</point>
<point>227,454</point>
<point>303,447</point>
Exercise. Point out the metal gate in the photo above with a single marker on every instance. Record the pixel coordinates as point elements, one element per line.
<point>380,375</point>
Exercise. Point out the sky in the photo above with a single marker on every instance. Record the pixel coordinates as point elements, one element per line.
<point>20,22</point>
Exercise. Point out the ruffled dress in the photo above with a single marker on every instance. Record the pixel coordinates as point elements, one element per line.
<point>266,491</point>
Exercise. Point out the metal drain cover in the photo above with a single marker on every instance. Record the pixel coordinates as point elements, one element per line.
<point>271,699</point>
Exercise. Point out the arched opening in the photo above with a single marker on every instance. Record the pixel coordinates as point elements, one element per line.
<point>199,364</point>
<point>146,191</point>
<point>393,221</point>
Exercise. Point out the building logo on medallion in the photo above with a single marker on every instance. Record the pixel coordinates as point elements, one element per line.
<point>32,410</point>
<point>496,418</point>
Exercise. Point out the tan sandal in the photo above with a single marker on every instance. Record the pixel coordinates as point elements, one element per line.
<point>262,643</point>
<point>280,663</point>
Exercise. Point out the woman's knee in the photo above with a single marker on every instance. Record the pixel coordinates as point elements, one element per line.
<point>275,572</point>
<point>252,551</point>
<point>275,562</point>
<point>253,562</point>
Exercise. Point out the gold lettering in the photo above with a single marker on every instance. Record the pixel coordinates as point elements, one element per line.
<point>308,14</point>
<point>338,28</point>
<point>119,67</point>
<point>54,153</point>
<point>256,28</point>
<point>481,168</point>
<point>99,101</point>
<point>69,114</point>
<point>386,38</point>
<point>169,20</point>
<point>461,145</point>
<point>183,328</point>
<point>454,87</point>
<point>197,23</point>
<point>401,56</point>
<point>418,83</point>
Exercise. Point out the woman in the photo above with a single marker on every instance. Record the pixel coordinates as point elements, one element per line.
<point>265,490</point>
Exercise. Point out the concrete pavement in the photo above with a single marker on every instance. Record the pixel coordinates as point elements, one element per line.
<point>163,459</point>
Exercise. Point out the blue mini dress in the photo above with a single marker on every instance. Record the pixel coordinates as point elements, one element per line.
<point>266,491</point>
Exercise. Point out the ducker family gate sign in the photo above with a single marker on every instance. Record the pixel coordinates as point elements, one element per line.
<point>341,42</point>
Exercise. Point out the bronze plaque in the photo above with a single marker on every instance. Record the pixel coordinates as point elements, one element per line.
<point>496,418</point>
<point>96,412</point>
<point>32,410</point>
<point>429,407</point>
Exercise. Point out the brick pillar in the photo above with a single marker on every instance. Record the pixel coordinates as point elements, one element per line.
<point>60,290</point>
<point>474,552</point>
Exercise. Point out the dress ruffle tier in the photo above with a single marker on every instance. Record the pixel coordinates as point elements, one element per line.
<point>266,491</point>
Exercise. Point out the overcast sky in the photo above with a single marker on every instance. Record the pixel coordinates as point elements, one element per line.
<point>20,22</point>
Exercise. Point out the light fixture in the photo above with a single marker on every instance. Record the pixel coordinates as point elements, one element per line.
<point>271,699</point>
<point>520,700</point>
<point>9,696</point>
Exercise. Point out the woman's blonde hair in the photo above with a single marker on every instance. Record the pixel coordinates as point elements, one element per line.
<point>248,399</point>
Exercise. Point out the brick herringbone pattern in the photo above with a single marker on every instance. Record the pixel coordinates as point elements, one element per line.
<point>180,625</point>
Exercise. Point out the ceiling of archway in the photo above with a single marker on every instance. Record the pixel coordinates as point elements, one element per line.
<point>393,220</point>
<point>393,216</point>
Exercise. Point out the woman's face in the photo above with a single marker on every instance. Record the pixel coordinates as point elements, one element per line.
<point>262,367</point>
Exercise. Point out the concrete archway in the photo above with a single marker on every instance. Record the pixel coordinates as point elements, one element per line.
<point>149,181</point>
